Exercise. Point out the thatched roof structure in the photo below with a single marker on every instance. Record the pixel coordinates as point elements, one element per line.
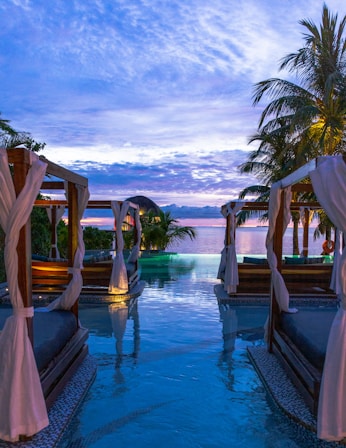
<point>145,204</point>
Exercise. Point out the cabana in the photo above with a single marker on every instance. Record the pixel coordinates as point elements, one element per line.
<point>311,343</point>
<point>39,351</point>
<point>102,274</point>
<point>303,275</point>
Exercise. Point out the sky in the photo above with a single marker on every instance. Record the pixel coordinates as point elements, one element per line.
<point>147,97</point>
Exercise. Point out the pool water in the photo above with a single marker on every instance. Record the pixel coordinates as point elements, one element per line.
<point>173,369</point>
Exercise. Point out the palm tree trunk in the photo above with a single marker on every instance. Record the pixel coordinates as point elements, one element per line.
<point>295,218</point>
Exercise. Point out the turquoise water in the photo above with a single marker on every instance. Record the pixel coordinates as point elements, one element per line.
<point>173,369</point>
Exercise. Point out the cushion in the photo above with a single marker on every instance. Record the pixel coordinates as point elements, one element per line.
<point>88,259</point>
<point>254,260</point>
<point>314,260</point>
<point>52,331</point>
<point>294,260</point>
<point>309,331</point>
<point>39,257</point>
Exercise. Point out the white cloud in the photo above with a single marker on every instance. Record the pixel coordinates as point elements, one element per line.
<point>132,81</point>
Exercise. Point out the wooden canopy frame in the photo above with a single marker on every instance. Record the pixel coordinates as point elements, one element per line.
<point>305,376</point>
<point>54,378</point>
<point>255,279</point>
<point>52,276</point>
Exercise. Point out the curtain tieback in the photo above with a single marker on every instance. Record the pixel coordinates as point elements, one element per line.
<point>24,312</point>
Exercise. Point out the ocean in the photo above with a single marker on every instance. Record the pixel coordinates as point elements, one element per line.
<point>249,241</point>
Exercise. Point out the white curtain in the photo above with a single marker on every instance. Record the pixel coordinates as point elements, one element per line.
<point>119,281</point>
<point>222,265</point>
<point>71,293</point>
<point>59,214</point>
<point>229,256</point>
<point>329,183</point>
<point>281,292</point>
<point>133,257</point>
<point>22,406</point>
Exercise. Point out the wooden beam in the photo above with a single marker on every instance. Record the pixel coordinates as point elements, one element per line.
<point>63,173</point>
<point>299,174</point>
<point>53,185</point>
<point>20,171</point>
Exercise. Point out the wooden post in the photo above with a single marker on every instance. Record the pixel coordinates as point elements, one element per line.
<point>228,226</point>
<point>72,231</point>
<point>20,169</point>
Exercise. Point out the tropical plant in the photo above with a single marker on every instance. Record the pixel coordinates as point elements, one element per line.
<point>274,158</point>
<point>10,138</point>
<point>161,230</point>
<point>314,111</point>
<point>95,238</point>
<point>40,231</point>
<point>302,120</point>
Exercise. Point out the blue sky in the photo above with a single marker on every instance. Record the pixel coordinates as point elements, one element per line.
<point>149,97</point>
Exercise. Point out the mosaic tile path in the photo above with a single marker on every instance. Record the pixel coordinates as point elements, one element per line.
<point>285,395</point>
<point>63,409</point>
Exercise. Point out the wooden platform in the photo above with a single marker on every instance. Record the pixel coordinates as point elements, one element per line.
<point>299,278</point>
<point>53,276</point>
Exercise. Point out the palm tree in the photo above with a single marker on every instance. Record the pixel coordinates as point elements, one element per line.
<point>10,138</point>
<point>160,230</point>
<point>274,158</point>
<point>315,108</point>
<point>302,120</point>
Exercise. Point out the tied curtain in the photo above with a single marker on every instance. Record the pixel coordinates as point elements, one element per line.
<point>133,257</point>
<point>119,281</point>
<point>329,183</point>
<point>67,299</point>
<point>59,214</point>
<point>228,268</point>
<point>280,289</point>
<point>22,406</point>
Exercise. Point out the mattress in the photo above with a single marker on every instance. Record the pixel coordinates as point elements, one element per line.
<point>309,330</point>
<point>51,333</point>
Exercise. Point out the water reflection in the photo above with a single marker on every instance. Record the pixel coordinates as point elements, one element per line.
<point>228,317</point>
<point>241,326</point>
<point>120,314</point>
<point>159,269</point>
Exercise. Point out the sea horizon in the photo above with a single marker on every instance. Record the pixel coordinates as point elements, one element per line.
<point>250,240</point>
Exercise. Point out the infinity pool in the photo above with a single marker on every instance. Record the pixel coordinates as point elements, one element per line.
<point>173,369</point>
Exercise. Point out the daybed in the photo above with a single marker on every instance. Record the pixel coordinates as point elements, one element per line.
<point>39,351</point>
<point>303,275</point>
<point>302,278</point>
<point>101,273</point>
<point>311,343</point>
